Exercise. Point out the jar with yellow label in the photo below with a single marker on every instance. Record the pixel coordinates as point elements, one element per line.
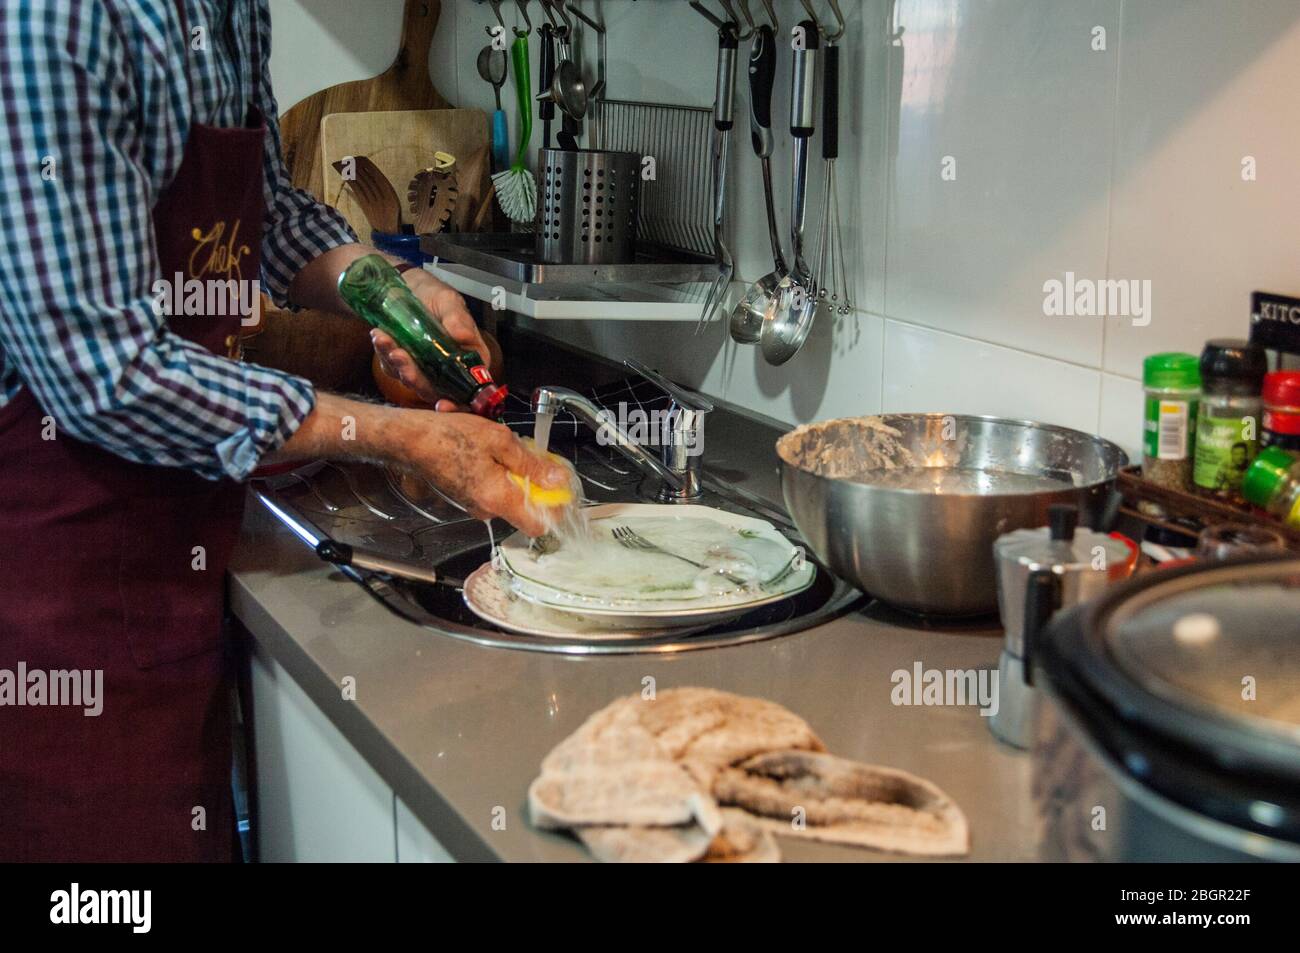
<point>1172,385</point>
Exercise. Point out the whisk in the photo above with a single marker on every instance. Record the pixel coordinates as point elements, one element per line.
<point>830,268</point>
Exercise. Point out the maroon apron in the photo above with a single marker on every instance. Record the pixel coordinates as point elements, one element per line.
<point>102,571</point>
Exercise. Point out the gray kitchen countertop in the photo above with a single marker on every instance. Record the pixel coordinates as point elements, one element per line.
<point>458,730</point>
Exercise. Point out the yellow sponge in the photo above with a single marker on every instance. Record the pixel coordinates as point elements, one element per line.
<point>540,495</point>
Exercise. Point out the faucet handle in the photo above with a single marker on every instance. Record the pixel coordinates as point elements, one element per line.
<point>685,399</point>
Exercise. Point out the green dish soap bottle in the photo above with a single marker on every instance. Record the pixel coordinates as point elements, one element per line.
<point>375,290</point>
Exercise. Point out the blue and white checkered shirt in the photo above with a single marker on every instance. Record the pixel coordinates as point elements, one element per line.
<point>96,101</point>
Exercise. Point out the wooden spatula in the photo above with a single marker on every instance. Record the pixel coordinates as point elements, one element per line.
<point>432,195</point>
<point>404,85</point>
<point>373,192</point>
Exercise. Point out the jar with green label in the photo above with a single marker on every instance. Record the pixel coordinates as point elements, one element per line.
<point>1172,383</point>
<point>1228,422</point>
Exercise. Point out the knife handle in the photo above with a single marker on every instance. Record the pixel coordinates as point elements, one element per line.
<point>762,73</point>
<point>802,88</point>
<point>831,102</point>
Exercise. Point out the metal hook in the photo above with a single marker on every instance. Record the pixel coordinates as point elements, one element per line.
<point>749,19</point>
<point>496,9</point>
<point>732,22</point>
<point>771,15</point>
<point>841,25</point>
<point>523,12</point>
<point>564,26</point>
<point>831,37</point>
<point>573,8</point>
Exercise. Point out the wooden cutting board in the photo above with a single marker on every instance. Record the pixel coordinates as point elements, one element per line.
<point>401,143</point>
<point>404,85</point>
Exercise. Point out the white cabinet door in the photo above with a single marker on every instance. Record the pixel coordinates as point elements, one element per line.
<point>415,845</point>
<point>317,799</point>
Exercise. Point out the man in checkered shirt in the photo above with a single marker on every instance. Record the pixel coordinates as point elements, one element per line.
<point>132,150</point>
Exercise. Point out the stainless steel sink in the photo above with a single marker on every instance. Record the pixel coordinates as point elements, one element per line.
<point>373,509</point>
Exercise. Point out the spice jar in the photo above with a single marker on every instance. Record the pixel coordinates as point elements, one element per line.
<point>1227,424</point>
<point>1273,482</point>
<point>1172,383</point>
<point>1281,411</point>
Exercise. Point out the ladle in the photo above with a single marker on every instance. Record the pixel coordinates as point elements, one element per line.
<point>787,323</point>
<point>746,324</point>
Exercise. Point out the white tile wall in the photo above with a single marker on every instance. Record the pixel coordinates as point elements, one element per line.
<point>1122,162</point>
<point>1015,106</point>
<point>1117,420</point>
<point>1204,85</point>
<point>929,370</point>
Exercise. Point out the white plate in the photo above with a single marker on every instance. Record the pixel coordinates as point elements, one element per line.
<point>488,597</point>
<point>555,583</point>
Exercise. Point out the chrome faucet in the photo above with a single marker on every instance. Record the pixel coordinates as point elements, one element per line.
<point>680,435</point>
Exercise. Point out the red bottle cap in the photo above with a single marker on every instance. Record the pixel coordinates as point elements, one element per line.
<point>489,402</point>
<point>1282,388</point>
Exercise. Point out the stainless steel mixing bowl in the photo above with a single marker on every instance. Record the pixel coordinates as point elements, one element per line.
<point>933,552</point>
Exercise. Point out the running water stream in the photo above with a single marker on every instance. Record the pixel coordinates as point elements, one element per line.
<point>542,440</point>
<point>542,430</point>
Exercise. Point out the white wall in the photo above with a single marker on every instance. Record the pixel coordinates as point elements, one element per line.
<point>1123,163</point>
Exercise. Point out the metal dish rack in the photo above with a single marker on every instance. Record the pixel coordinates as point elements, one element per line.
<point>676,204</point>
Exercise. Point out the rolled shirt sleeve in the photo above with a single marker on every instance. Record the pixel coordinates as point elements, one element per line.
<point>78,324</point>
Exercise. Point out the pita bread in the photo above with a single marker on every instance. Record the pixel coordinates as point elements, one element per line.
<point>686,724</point>
<point>652,793</point>
<point>708,730</point>
<point>647,845</point>
<point>845,802</point>
<point>641,781</point>
<point>614,735</point>
<point>742,840</point>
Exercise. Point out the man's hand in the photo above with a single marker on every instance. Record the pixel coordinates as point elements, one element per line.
<point>316,286</point>
<point>466,456</point>
<point>445,304</point>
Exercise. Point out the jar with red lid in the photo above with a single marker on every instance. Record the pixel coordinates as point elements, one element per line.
<point>1281,423</point>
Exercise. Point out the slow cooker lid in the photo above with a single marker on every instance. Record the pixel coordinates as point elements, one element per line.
<point>1160,674</point>
<point>1224,642</point>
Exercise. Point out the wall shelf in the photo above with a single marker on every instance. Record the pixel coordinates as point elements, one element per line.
<point>500,270</point>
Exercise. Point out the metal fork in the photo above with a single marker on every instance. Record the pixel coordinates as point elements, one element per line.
<point>628,538</point>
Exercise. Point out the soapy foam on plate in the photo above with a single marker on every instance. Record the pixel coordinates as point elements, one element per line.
<point>733,560</point>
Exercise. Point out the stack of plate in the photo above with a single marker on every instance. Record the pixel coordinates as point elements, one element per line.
<point>714,566</point>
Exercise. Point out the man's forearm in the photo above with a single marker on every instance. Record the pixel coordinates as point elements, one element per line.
<point>469,458</point>
<point>341,428</point>
<point>317,284</point>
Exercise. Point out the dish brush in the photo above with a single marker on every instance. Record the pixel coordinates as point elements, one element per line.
<point>515,187</point>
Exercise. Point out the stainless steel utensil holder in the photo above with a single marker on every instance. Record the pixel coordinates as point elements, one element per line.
<point>587,213</point>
